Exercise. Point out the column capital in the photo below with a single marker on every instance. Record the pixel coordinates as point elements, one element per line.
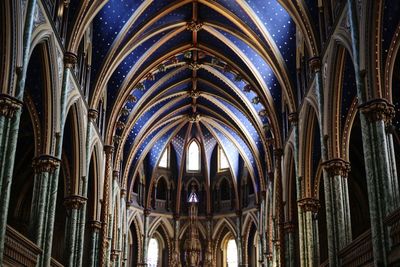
<point>289,227</point>
<point>74,202</point>
<point>9,105</point>
<point>315,64</point>
<point>176,216</point>
<point>93,114</point>
<point>336,167</point>
<point>45,163</point>
<point>309,204</point>
<point>115,175</point>
<point>94,225</point>
<point>278,152</point>
<point>108,149</point>
<point>115,254</point>
<point>146,212</point>
<point>378,109</point>
<point>70,59</point>
<point>293,118</point>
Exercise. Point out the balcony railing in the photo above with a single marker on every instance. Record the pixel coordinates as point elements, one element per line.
<point>358,252</point>
<point>20,251</point>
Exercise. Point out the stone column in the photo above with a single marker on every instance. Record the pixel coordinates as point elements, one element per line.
<point>95,228</point>
<point>10,112</point>
<point>383,193</point>
<point>337,197</point>
<point>73,204</point>
<point>279,241</point>
<point>146,214</point>
<point>105,209</point>
<point>92,114</point>
<point>43,166</point>
<point>70,60</point>
<point>381,197</point>
<point>239,238</point>
<point>309,210</point>
<point>176,256</point>
<point>290,256</point>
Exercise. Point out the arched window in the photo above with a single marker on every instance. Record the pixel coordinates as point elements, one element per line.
<point>232,254</point>
<point>193,157</point>
<point>223,163</point>
<point>152,254</point>
<point>164,161</point>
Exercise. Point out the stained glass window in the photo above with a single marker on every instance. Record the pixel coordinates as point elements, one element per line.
<point>193,157</point>
<point>232,254</point>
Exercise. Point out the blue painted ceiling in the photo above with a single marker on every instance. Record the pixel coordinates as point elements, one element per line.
<point>164,78</point>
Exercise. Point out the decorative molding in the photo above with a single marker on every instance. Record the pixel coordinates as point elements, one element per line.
<point>9,105</point>
<point>74,202</point>
<point>377,110</point>
<point>309,204</point>
<point>315,64</point>
<point>45,163</point>
<point>336,167</point>
<point>194,26</point>
<point>70,59</point>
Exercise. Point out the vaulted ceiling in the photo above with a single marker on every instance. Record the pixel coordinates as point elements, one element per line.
<point>220,71</point>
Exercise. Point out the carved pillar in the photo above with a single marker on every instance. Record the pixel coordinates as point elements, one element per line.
<point>70,60</point>
<point>10,112</point>
<point>94,228</point>
<point>105,209</point>
<point>279,217</point>
<point>337,202</point>
<point>72,203</point>
<point>43,166</point>
<point>309,211</point>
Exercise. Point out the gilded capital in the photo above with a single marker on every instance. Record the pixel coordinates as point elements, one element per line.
<point>336,167</point>
<point>9,105</point>
<point>74,201</point>
<point>45,163</point>
<point>108,149</point>
<point>93,114</point>
<point>70,59</point>
<point>377,110</point>
<point>309,204</point>
<point>315,64</point>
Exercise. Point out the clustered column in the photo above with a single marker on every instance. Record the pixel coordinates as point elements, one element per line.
<point>308,219</point>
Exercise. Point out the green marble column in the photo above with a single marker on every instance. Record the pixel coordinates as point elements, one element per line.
<point>73,205</point>
<point>92,116</point>
<point>10,113</point>
<point>70,60</point>
<point>95,228</point>
<point>289,230</point>
<point>308,211</point>
<point>374,114</point>
<point>44,166</point>
<point>336,188</point>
